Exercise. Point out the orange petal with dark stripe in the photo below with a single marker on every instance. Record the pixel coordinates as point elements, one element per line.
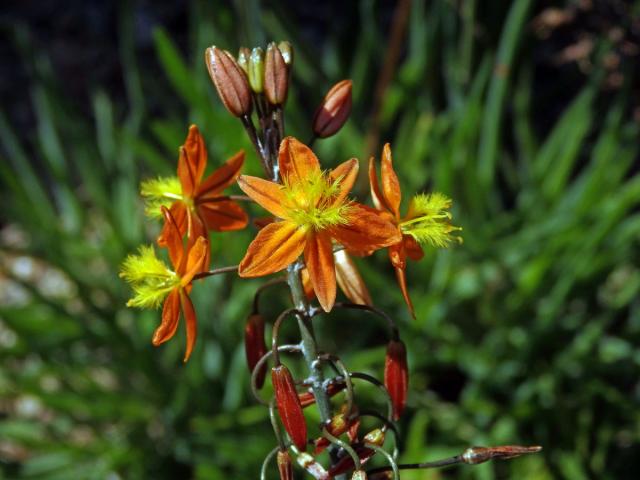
<point>170,236</point>
<point>223,177</point>
<point>347,172</point>
<point>170,318</point>
<point>190,321</point>
<point>396,375</point>
<point>275,247</point>
<point>367,229</point>
<point>350,280</point>
<point>390,183</point>
<point>376,194</point>
<point>195,261</point>
<point>297,162</point>
<point>318,256</point>
<point>192,161</point>
<point>223,215</point>
<point>289,408</point>
<point>307,286</point>
<point>268,195</point>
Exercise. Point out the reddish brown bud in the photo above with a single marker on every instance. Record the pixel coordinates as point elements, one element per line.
<point>396,376</point>
<point>284,465</point>
<point>289,407</point>
<point>475,455</point>
<point>336,427</point>
<point>334,110</point>
<point>254,346</point>
<point>276,76</point>
<point>230,81</point>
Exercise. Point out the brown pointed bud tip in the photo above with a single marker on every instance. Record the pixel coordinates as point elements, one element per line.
<point>285,468</point>
<point>255,346</point>
<point>312,466</point>
<point>287,52</point>
<point>230,81</point>
<point>475,455</point>
<point>375,437</point>
<point>276,76</point>
<point>289,407</point>
<point>359,475</point>
<point>334,110</point>
<point>243,59</point>
<point>256,70</point>
<point>396,376</point>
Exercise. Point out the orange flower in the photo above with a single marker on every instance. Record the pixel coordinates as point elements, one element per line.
<point>152,281</point>
<point>197,205</point>
<point>312,210</point>
<point>426,221</point>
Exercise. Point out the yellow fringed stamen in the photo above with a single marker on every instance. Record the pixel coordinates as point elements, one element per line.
<point>429,222</point>
<point>158,192</point>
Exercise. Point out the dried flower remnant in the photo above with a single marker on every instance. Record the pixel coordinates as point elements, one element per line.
<point>314,210</point>
<point>197,205</point>
<point>427,221</point>
<point>152,282</point>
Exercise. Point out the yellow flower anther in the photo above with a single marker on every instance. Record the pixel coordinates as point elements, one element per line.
<point>428,220</point>
<point>158,192</point>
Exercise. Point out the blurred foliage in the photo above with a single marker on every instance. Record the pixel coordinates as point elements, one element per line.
<point>528,333</point>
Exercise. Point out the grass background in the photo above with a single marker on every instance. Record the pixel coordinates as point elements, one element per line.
<point>525,113</point>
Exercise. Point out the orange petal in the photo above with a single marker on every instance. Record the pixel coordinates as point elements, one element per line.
<point>397,255</point>
<point>376,194</point>
<point>390,183</point>
<point>402,282</point>
<point>349,279</point>
<point>318,256</point>
<point>347,172</point>
<point>223,215</point>
<point>366,230</point>
<point>297,162</point>
<point>306,284</point>
<point>192,161</point>
<point>170,317</point>
<point>412,247</point>
<point>222,177</point>
<point>190,321</point>
<point>170,236</point>
<point>275,247</point>
<point>195,261</point>
<point>268,194</point>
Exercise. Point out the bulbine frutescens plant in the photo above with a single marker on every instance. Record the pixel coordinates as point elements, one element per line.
<point>313,230</point>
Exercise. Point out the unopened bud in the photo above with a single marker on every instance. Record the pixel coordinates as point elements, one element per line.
<point>243,59</point>
<point>289,407</point>
<point>334,110</point>
<point>276,76</point>
<point>475,455</point>
<point>359,475</point>
<point>230,81</point>
<point>287,52</point>
<point>285,468</point>
<point>255,346</point>
<point>396,375</point>
<point>256,70</point>
<point>374,437</point>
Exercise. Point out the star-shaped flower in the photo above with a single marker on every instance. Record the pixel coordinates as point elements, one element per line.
<point>152,281</point>
<point>312,211</point>
<point>427,220</point>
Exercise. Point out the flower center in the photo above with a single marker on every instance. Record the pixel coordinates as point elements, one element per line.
<point>312,203</point>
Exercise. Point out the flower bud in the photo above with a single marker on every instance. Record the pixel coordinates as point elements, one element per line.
<point>276,76</point>
<point>285,468</point>
<point>475,455</point>
<point>255,346</point>
<point>256,70</point>
<point>243,59</point>
<point>346,463</point>
<point>289,407</point>
<point>287,52</point>
<point>359,475</point>
<point>374,437</point>
<point>334,110</point>
<point>350,280</point>
<point>312,466</point>
<point>230,81</point>
<point>336,427</point>
<point>396,375</point>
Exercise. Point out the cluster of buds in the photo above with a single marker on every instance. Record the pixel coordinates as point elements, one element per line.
<point>313,231</point>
